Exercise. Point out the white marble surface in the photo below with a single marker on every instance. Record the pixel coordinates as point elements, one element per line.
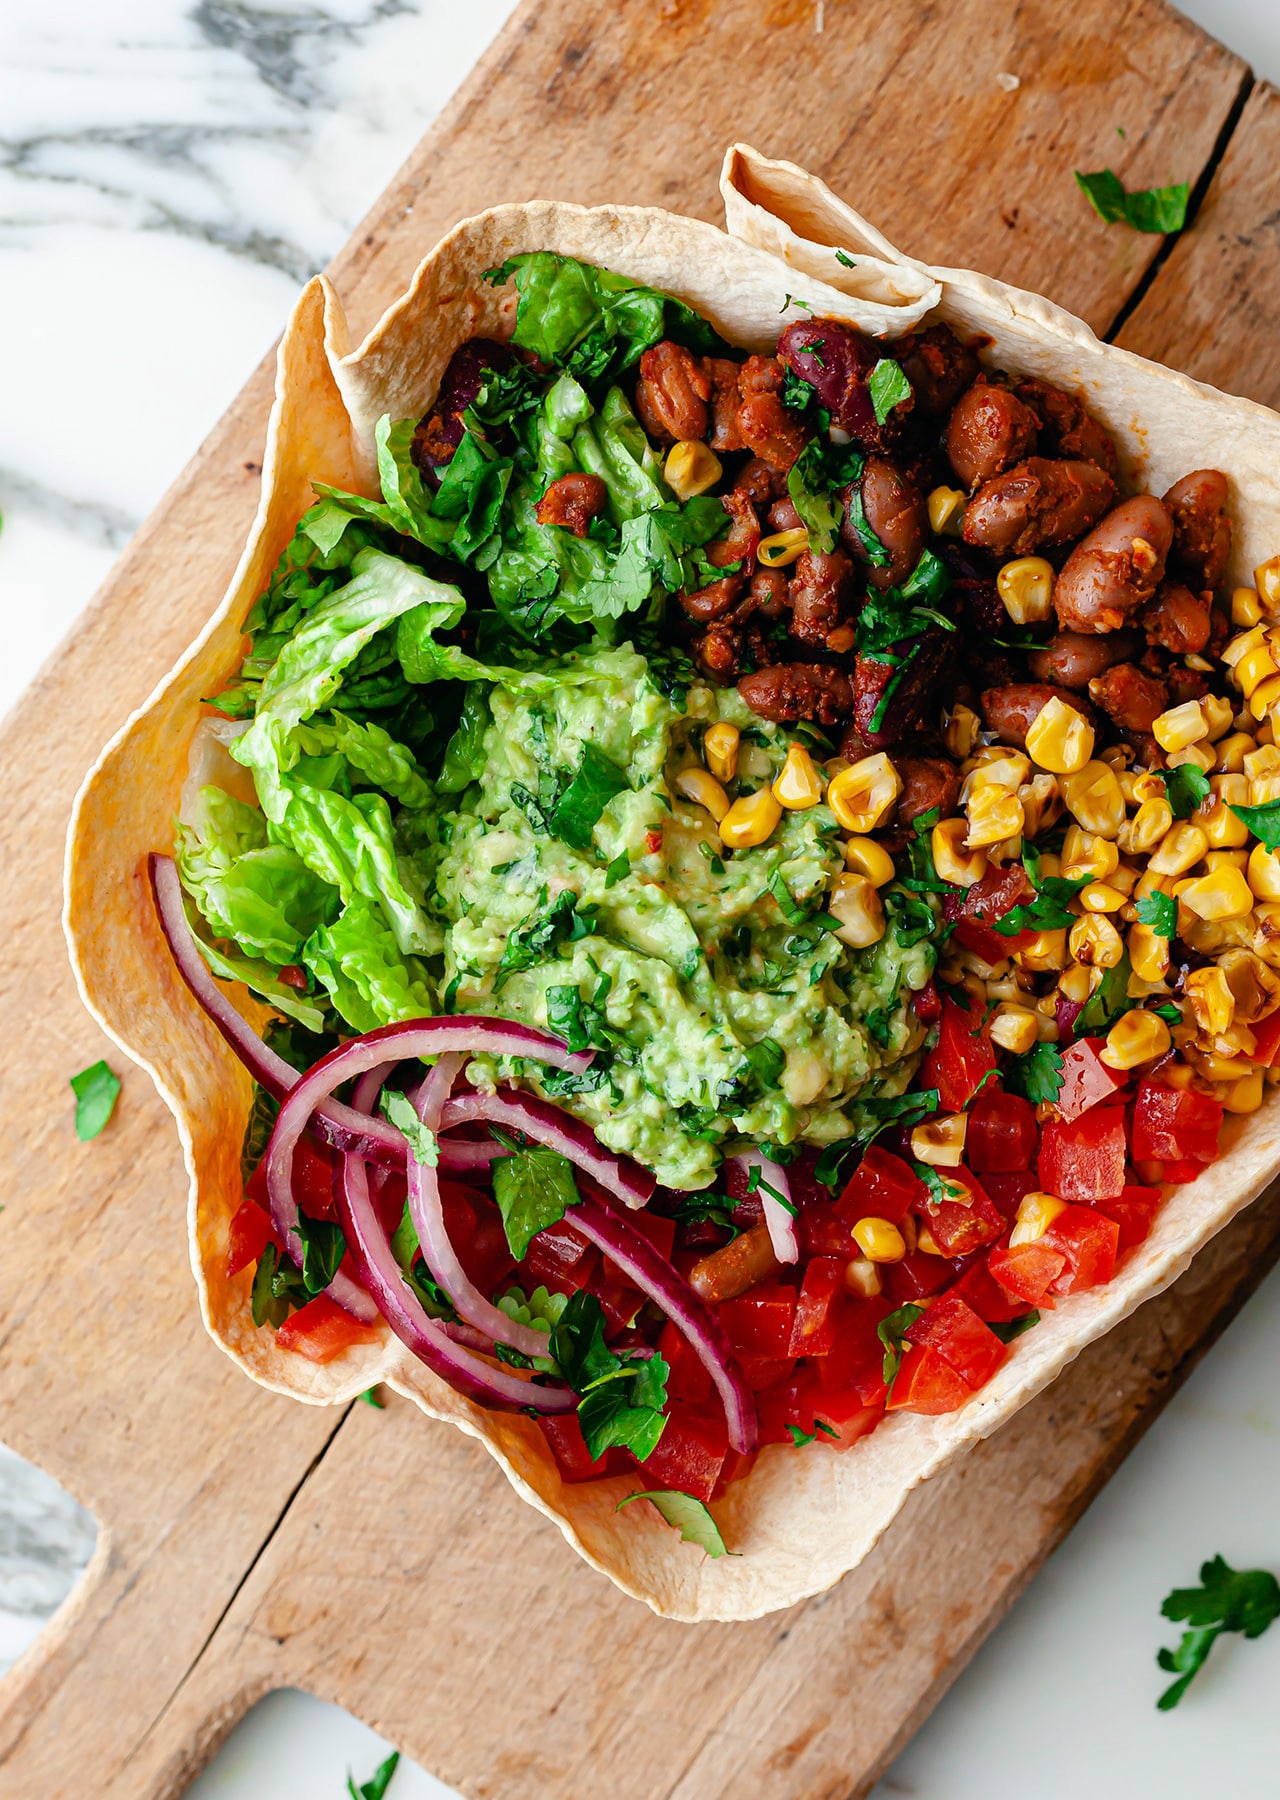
<point>169,171</point>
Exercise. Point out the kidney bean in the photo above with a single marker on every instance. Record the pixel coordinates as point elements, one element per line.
<point>789,691</point>
<point>1011,711</point>
<point>740,541</point>
<point>895,511</point>
<point>927,781</point>
<point>1201,529</point>
<point>770,592</point>
<point>989,430</point>
<point>837,359</point>
<point>1117,568</point>
<point>938,366</point>
<point>770,432</point>
<point>783,515</point>
<point>736,1267</point>
<point>440,432</point>
<point>573,502</point>
<point>913,700</point>
<point>714,600</point>
<point>1037,503</point>
<point>822,589</point>
<point>1129,696</point>
<point>726,398</point>
<point>672,393</point>
<point>759,482</point>
<point>1177,619</point>
<point>1068,430</point>
<point>719,650</point>
<point>761,375</point>
<point>1073,658</point>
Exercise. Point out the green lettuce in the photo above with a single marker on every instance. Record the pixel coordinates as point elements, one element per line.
<point>262,895</point>
<point>359,963</point>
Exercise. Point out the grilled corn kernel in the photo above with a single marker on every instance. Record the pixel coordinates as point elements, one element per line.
<point>1239,646</point>
<point>1095,941</point>
<point>1200,756</point>
<point>961,867</point>
<point>1045,951</point>
<point>1256,987</point>
<point>1026,588</point>
<point>1036,1212</point>
<point>862,794</point>
<point>1117,757</point>
<point>1094,799</point>
<point>926,1243</point>
<point>940,1141</point>
<point>1013,1028</point>
<point>799,784</point>
<point>1244,1094</point>
<point>1213,1005</point>
<point>704,790</point>
<point>750,820</point>
<point>1180,725</point>
<point>855,901</point>
<point>1148,953</point>
<point>946,511</point>
<point>1041,804</point>
<point>1266,932</point>
<point>1135,1038</point>
<point>1223,828</point>
<point>993,814</point>
<point>862,1278</point>
<point>720,750</point>
<point>1084,853</point>
<point>1221,894</point>
<point>1230,752</point>
<point>1227,859</point>
<point>1245,607</point>
<point>1266,579</point>
<point>1264,872</point>
<point>1101,897</point>
<point>691,468</point>
<point>997,767</point>
<point>1265,696</point>
<point>863,856</point>
<point>879,1241</point>
<point>960,732</point>
<point>1219,712</point>
<point>1254,667</point>
<point>1060,739</point>
<point>782,548</point>
<point>1077,982</point>
<point>1263,789</point>
<point>1180,849</point>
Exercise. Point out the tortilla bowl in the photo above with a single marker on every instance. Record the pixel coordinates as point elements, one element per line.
<point>797,1522</point>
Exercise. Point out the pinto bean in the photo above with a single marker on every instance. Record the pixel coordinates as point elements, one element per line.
<point>927,781</point>
<point>1117,568</point>
<point>672,393</point>
<point>770,432</point>
<point>726,398</point>
<point>912,705</point>
<point>761,375</point>
<point>789,691</point>
<point>1011,711</point>
<point>1035,504</point>
<point>719,650</point>
<point>739,543</point>
<point>770,592</point>
<point>821,595</point>
<point>938,366</point>
<point>783,515</point>
<point>989,430</point>
<point>736,1267</point>
<point>1073,658</point>
<point>714,600</point>
<point>1177,619</point>
<point>1067,428</point>
<point>895,511</point>
<point>837,360</point>
<point>1201,529</point>
<point>573,502</point>
<point>759,482</point>
<point>438,434</point>
<point>1129,696</point>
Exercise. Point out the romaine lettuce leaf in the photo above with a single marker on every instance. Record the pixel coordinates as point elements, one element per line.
<point>370,750</point>
<point>261,895</point>
<point>409,505</point>
<point>359,963</point>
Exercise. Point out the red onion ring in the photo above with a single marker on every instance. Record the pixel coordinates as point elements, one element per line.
<point>781,1224</point>
<point>618,1175</point>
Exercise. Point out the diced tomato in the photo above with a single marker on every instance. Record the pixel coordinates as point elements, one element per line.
<point>619,1305</point>
<point>818,1305</point>
<point>1266,1035</point>
<point>766,1371</point>
<point>857,1356</point>
<point>955,1331</point>
<point>689,1379</point>
<point>849,1417</point>
<point>660,1232</point>
<point>998,892</point>
<point>689,1453</point>
<point>927,1003</point>
<point>564,1436</point>
<point>926,1383</point>
<point>760,1322</point>
<point>978,1288</point>
<point>735,1467</point>
<point>882,1186</point>
<point>1185,1169</point>
<point>1005,1191</point>
<point>1170,1124</point>
<point>1001,1134</point>
<point>483,1251</point>
<point>1082,1160</point>
<point>1086,1079</point>
<point>806,1189</point>
<point>1027,1271</point>
<point>313,1171</point>
<point>1089,1241</point>
<point>1134,1212</point>
<point>321,1330</point>
<point>558,1258</point>
<point>962,1057</point>
<point>824,1230</point>
<point>917,1275</point>
<point>960,1230</point>
<point>248,1236</point>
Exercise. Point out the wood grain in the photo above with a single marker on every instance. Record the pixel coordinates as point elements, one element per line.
<point>249,1542</point>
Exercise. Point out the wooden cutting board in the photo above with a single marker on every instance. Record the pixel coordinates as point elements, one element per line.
<point>378,1559</point>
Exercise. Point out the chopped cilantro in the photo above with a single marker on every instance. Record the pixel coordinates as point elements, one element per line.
<point>621,1397</point>
<point>1247,1601</point>
<point>940,1187</point>
<point>1037,1075</point>
<point>378,1782</point>
<point>872,1116</point>
<point>1049,910</point>
<point>792,301</point>
<point>756,1183</point>
<point>96,1090</point>
<point>1185,787</point>
<point>1263,821</point>
<point>543,933</point>
<point>1168,1012</point>
<point>399,1110</point>
<point>1155,210</point>
<point>766,1060</point>
<point>533,1188</point>
<point>848,261</point>
<point>323,1248</point>
<point>801,1438</point>
<point>618,869</point>
<point>583,1024</point>
<point>888,387</point>
<point>1008,1329</point>
<point>1108,1001</point>
<point>1160,911</point>
<point>598,781</point>
<point>694,1521</point>
<point>891,1332</point>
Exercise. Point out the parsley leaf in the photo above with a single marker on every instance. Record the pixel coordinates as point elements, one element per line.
<point>870,1117</point>
<point>696,1526</point>
<point>712,1209</point>
<point>370,1398</point>
<point>533,1188</point>
<point>1169,1012</point>
<point>618,869</point>
<point>1049,910</point>
<point>816,480</point>
<point>542,934</point>
<point>598,781</point>
<point>1007,1330</point>
<point>891,1332</point>
<point>1185,787</point>
<point>278,1287</point>
<point>940,1188</point>
<point>323,1248</point>
<point>766,1061</point>
<point>1108,1001</point>
<point>1263,821</point>
<point>801,1438</point>
<point>1160,911</point>
<point>1247,1601</point>
<point>399,1110</point>
<point>378,1782</point>
<point>888,387</point>
<point>96,1090</point>
<point>1037,1075</point>
<point>583,1024</point>
<point>1155,210</point>
<point>621,1396</point>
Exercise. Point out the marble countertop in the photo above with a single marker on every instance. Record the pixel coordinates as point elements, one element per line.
<point>125,238</point>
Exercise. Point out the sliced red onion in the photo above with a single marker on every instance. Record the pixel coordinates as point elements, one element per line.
<point>691,1316</point>
<point>781,1223</point>
<point>618,1175</point>
<point>441,1258</point>
<point>461,1153</point>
